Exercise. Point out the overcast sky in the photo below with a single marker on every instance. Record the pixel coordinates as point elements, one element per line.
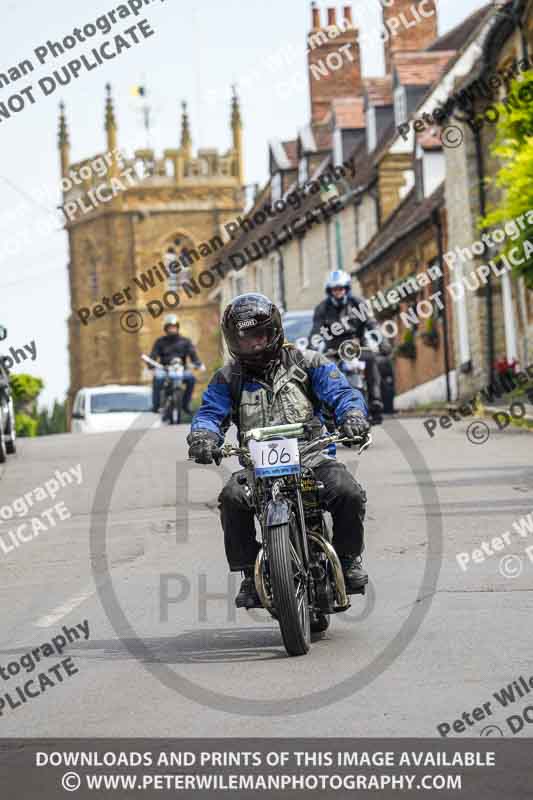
<point>200,48</point>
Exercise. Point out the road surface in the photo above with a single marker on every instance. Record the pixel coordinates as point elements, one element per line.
<point>169,655</point>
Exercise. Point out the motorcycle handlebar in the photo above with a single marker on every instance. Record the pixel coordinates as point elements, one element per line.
<point>229,450</point>
<point>157,365</point>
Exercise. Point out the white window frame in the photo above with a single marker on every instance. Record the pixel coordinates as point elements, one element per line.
<point>276,187</point>
<point>332,246</point>
<point>172,280</point>
<point>371,129</point>
<point>400,105</point>
<point>337,147</point>
<point>303,170</point>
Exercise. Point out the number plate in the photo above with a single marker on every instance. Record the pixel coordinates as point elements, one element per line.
<point>275,457</point>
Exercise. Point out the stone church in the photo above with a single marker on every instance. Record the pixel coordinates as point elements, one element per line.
<point>152,210</point>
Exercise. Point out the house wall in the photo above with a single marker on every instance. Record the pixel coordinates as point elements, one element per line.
<point>463,205</point>
<point>420,380</point>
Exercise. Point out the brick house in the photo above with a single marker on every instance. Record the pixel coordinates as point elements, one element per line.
<point>494,320</point>
<point>402,183</point>
<point>357,126</point>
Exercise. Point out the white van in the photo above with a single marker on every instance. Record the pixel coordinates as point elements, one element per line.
<point>99,409</point>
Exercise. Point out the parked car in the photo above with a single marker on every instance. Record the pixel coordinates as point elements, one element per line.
<point>99,409</point>
<point>7,416</point>
<point>297,326</point>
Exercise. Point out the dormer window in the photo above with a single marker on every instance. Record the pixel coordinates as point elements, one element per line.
<point>400,105</point>
<point>302,170</point>
<point>276,187</point>
<point>371,129</point>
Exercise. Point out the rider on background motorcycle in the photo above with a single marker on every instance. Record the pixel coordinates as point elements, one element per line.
<point>339,309</point>
<point>165,349</point>
<point>277,386</point>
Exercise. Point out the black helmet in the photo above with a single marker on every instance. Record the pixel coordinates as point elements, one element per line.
<point>249,319</point>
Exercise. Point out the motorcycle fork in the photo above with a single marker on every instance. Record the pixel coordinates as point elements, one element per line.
<point>303,545</point>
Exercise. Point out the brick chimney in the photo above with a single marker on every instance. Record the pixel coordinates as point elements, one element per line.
<point>409,25</point>
<point>334,59</point>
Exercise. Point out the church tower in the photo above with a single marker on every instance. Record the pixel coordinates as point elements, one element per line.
<point>126,215</point>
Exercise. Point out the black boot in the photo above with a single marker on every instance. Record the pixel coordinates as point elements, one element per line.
<point>355,577</point>
<point>248,597</point>
<point>376,412</point>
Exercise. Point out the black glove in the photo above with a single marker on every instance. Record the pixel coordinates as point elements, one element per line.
<point>385,349</point>
<point>203,446</point>
<point>354,424</point>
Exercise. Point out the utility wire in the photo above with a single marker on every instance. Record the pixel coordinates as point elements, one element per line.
<point>27,196</point>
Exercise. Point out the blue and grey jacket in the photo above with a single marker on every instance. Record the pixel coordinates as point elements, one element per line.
<point>296,391</point>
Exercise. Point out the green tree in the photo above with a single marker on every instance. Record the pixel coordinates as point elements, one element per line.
<point>28,420</point>
<point>55,422</point>
<point>25,390</point>
<point>513,145</point>
<point>25,425</point>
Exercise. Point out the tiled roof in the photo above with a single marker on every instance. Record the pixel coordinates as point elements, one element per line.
<point>458,36</point>
<point>366,163</point>
<point>365,167</point>
<point>274,224</point>
<point>421,68</point>
<point>323,137</point>
<point>291,149</point>
<point>409,215</point>
<point>379,90</point>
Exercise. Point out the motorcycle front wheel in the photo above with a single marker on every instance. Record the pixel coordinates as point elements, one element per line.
<point>177,398</point>
<point>289,591</point>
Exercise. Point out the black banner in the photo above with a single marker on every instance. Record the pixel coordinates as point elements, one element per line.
<point>498,769</point>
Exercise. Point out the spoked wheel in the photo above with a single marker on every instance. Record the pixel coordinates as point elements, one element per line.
<point>177,399</point>
<point>167,410</point>
<point>3,452</point>
<point>289,591</point>
<point>11,446</point>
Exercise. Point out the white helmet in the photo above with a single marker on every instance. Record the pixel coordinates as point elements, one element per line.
<point>338,279</point>
<point>170,319</point>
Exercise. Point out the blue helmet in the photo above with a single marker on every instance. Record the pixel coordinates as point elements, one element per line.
<point>338,279</point>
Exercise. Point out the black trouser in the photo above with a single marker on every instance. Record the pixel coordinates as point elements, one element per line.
<point>344,498</point>
<point>373,377</point>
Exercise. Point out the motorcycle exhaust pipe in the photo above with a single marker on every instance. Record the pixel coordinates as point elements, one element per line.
<point>343,601</point>
<point>259,579</point>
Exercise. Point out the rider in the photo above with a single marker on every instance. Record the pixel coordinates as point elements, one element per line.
<point>338,310</point>
<point>165,349</point>
<point>277,386</point>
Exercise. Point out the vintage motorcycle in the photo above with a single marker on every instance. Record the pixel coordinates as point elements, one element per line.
<point>350,362</point>
<point>172,390</point>
<point>298,575</point>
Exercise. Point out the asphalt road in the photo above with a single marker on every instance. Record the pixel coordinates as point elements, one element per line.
<point>428,642</point>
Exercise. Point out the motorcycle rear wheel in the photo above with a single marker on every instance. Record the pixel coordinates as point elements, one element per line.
<point>289,592</point>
